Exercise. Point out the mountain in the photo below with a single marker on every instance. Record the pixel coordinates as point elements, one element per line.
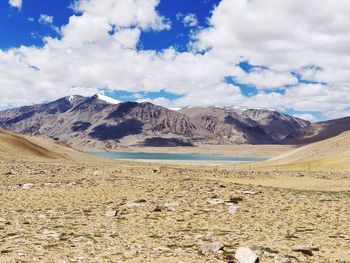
<point>318,131</point>
<point>333,153</point>
<point>240,125</point>
<point>99,122</point>
<point>21,146</point>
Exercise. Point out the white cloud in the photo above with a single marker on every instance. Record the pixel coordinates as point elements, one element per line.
<point>16,3</point>
<point>189,20</point>
<point>264,79</point>
<point>306,116</point>
<point>97,50</point>
<point>45,19</point>
<point>128,38</point>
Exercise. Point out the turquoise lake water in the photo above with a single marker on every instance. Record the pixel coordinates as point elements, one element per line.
<point>173,156</point>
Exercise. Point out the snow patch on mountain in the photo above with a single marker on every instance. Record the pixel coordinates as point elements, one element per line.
<point>107,99</point>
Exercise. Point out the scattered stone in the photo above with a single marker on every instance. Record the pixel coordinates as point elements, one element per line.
<point>305,250</point>
<point>235,199</point>
<point>27,186</point>
<point>161,250</point>
<point>83,239</point>
<point>272,210</point>
<point>51,234</point>
<point>232,209</point>
<point>211,247</point>
<point>283,259</point>
<point>157,209</point>
<point>111,213</point>
<point>247,192</point>
<point>97,173</point>
<point>246,255</point>
<point>171,204</point>
<point>215,201</point>
<point>132,252</point>
<point>133,204</point>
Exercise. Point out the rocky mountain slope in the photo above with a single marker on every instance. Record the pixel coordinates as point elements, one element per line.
<point>239,125</point>
<point>101,123</point>
<point>333,153</point>
<point>318,131</point>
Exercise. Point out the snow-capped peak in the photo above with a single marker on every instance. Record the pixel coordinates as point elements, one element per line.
<point>71,98</point>
<point>107,99</point>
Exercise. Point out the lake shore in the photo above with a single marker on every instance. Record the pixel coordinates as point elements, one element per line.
<point>229,150</point>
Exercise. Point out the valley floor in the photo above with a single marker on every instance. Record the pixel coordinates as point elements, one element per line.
<point>56,211</point>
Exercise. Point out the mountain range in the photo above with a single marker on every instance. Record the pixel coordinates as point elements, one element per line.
<point>100,122</point>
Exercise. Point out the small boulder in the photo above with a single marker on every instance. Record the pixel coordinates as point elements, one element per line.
<point>246,255</point>
<point>211,247</point>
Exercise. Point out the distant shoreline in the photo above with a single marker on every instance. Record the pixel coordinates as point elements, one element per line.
<point>266,151</point>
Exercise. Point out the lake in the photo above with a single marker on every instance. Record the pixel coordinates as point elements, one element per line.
<point>173,157</point>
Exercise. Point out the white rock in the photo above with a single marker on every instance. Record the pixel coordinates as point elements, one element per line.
<point>132,204</point>
<point>171,204</point>
<point>27,186</point>
<point>246,255</point>
<point>211,247</point>
<point>111,213</point>
<point>232,209</point>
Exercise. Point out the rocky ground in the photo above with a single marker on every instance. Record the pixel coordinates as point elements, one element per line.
<point>121,212</point>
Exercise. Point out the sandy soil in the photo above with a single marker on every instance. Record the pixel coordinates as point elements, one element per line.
<point>58,211</point>
<point>234,150</point>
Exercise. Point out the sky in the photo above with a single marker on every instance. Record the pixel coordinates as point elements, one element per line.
<point>291,55</point>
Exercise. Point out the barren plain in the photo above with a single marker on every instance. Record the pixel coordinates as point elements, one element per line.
<point>99,211</point>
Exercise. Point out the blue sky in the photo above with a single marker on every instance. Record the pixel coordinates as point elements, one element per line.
<point>16,28</point>
<point>175,53</point>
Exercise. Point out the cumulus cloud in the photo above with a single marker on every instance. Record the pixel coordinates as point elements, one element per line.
<point>16,3</point>
<point>264,79</point>
<point>97,50</point>
<point>45,19</point>
<point>189,20</point>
